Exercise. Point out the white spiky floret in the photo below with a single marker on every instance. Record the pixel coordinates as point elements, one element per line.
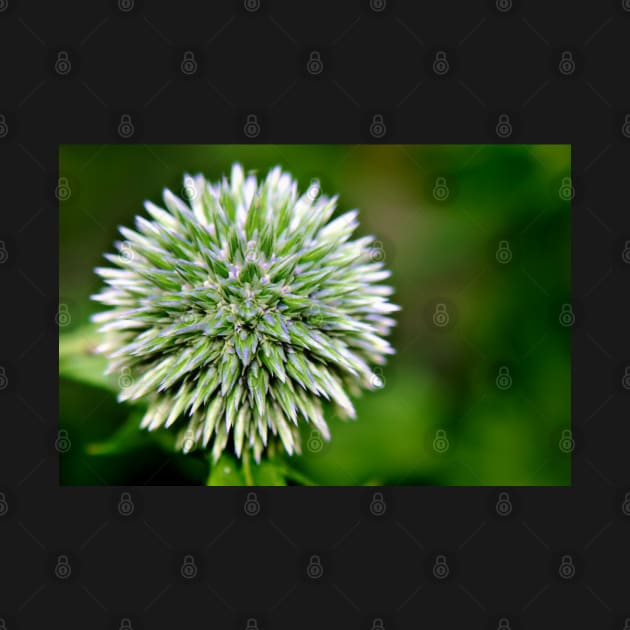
<point>237,311</point>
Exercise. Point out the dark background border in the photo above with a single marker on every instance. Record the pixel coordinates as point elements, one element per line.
<point>378,58</point>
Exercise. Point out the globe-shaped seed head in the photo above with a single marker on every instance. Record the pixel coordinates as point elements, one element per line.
<point>236,313</point>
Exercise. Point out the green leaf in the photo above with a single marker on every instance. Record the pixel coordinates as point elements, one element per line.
<point>78,361</point>
<point>288,472</point>
<point>268,474</point>
<point>130,437</point>
<point>225,472</point>
<point>127,437</point>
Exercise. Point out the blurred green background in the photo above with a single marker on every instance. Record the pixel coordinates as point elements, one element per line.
<point>478,239</point>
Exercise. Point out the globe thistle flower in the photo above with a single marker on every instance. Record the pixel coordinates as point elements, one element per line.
<point>236,314</point>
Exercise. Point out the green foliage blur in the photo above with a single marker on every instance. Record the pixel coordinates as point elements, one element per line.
<point>478,239</point>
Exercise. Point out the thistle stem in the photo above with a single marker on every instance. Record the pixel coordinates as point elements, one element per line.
<point>210,465</point>
<point>247,469</point>
<point>296,475</point>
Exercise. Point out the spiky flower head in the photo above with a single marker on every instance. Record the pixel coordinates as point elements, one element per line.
<point>234,314</point>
